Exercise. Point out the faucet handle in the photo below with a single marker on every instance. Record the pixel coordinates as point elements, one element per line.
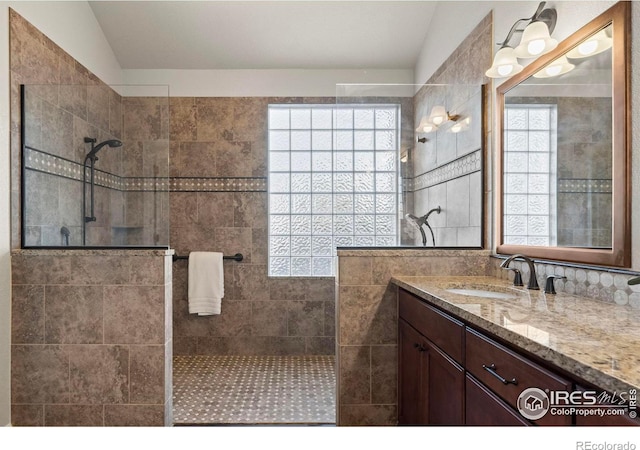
<point>517,277</point>
<point>549,287</point>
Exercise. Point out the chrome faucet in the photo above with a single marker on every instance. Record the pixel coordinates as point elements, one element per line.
<point>533,280</point>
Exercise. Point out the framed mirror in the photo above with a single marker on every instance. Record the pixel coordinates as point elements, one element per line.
<point>564,165</point>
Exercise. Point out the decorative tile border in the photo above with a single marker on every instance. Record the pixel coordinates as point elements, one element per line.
<point>464,165</point>
<point>580,186</point>
<point>55,165</point>
<point>608,285</point>
<point>218,184</point>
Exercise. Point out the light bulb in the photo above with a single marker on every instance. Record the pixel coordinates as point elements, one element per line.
<point>552,71</point>
<point>586,48</point>
<point>504,64</point>
<point>558,67</point>
<point>535,47</point>
<point>505,70</point>
<point>438,115</point>
<point>456,128</point>
<point>597,43</point>
<point>535,41</point>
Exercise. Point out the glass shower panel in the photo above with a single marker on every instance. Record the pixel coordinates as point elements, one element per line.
<point>95,166</point>
<point>401,169</point>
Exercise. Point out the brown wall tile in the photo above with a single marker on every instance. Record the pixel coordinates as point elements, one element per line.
<point>251,282</point>
<point>147,374</point>
<point>320,345</point>
<point>134,314</point>
<point>355,375</point>
<point>99,374</point>
<point>73,314</point>
<point>384,380</point>
<point>355,271</point>
<point>27,314</point>
<point>73,416</point>
<point>368,415</point>
<point>368,315</point>
<point>268,319</point>
<point>305,318</point>
<point>27,415</point>
<point>39,374</point>
<point>134,415</point>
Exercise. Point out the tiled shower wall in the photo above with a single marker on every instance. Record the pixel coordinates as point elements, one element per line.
<point>64,103</point>
<point>91,334</point>
<point>59,116</point>
<point>367,367</point>
<point>219,203</point>
<point>448,171</point>
<point>91,338</point>
<point>448,168</point>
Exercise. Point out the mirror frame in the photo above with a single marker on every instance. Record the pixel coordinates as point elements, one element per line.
<point>619,17</point>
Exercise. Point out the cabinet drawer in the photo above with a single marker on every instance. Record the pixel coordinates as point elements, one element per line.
<point>483,408</point>
<point>442,329</point>
<point>489,361</point>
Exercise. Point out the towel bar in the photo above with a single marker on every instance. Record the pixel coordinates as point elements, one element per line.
<point>237,257</point>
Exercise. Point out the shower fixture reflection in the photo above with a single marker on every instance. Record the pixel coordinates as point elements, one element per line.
<point>91,158</point>
<point>418,222</point>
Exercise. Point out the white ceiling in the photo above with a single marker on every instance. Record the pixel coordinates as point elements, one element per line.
<point>265,34</point>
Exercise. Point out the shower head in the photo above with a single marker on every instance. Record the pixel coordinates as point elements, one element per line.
<point>96,148</point>
<point>418,222</point>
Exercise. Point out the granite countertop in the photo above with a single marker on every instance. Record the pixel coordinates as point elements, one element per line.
<point>598,342</point>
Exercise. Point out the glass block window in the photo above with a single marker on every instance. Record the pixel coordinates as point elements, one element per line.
<point>530,138</point>
<point>333,182</point>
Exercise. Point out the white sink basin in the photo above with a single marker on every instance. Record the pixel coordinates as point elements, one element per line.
<point>482,293</point>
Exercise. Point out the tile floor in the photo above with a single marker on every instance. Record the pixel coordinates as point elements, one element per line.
<point>253,390</point>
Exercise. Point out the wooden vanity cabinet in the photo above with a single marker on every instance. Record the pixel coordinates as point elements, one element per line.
<point>431,383</point>
<point>453,374</point>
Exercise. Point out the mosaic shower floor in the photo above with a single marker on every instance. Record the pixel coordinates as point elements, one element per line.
<point>253,390</point>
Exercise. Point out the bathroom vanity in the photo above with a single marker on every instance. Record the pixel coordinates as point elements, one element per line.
<point>469,346</point>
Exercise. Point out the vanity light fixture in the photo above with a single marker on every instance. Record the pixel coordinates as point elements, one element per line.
<point>461,125</point>
<point>505,64</point>
<point>536,40</point>
<point>426,126</point>
<point>440,115</point>
<point>598,43</point>
<point>558,67</point>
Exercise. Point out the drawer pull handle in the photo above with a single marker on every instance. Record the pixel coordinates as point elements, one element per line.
<point>492,370</point>
<point>419,347</point>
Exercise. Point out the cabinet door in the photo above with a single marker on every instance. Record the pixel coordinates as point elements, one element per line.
<point>484,408</point>
<point>445,386</point>
<point>412,405</point>
<point>431,385</point>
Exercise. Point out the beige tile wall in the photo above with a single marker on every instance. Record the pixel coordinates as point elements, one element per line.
<point>368,323</point>
<point>457,85</point>
<point>91,338</point>
<point>64,103</point>
<point>217,139</point>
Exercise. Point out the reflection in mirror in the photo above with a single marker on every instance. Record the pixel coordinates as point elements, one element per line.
<point>564,166</point>
<point>557,152</point>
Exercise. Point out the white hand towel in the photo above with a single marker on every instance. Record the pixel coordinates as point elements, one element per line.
<point>206,283</point>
